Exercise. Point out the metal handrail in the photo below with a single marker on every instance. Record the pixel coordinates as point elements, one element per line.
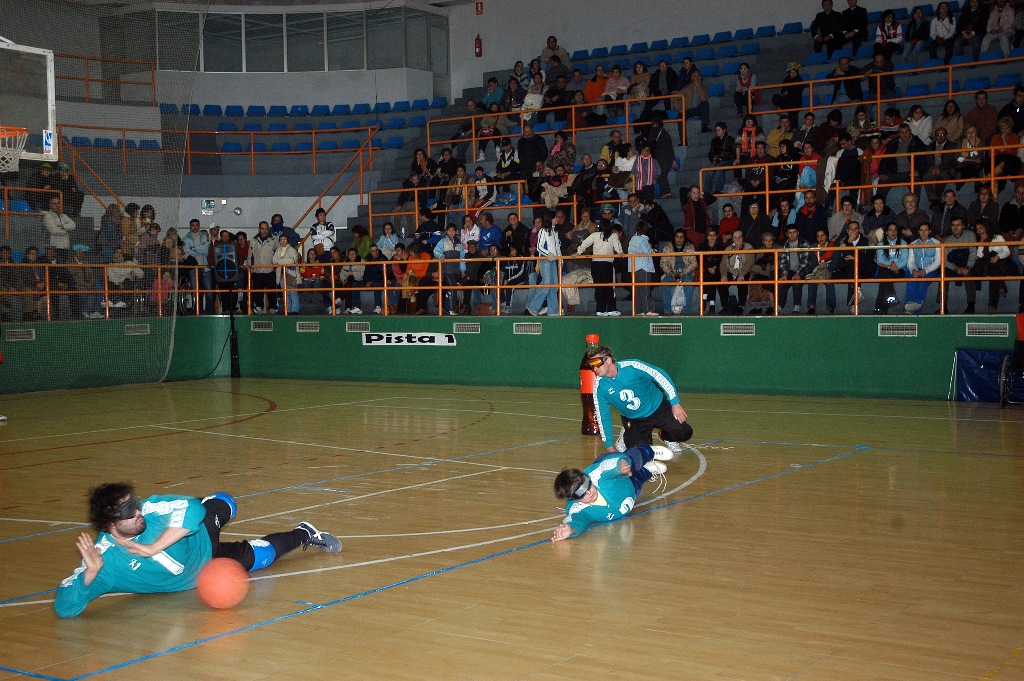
<point>87,60</point>
<point>6,193</point>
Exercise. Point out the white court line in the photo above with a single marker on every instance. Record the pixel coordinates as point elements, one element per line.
<point>47,522</point>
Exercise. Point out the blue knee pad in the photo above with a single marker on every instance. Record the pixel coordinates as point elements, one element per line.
<point>264,554</point>
<point>227,499</point>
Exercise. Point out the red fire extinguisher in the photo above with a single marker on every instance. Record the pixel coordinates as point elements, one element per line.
<point>478,46</point>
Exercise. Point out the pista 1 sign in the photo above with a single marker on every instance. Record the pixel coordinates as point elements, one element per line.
<point>410,339</point>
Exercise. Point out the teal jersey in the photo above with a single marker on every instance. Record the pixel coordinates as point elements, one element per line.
<point>173,569</point>
<point>636,391</point>
<point>615,496</point>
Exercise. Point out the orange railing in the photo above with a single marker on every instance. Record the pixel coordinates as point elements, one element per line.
<point>88,62</point>
<point>5,195</point>
<point>313,136</point>
<point>633,108</point>
<point>146,298</point>
<point>366,153</point>
<point>826,85</point>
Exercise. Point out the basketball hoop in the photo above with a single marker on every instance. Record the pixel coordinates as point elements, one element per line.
<point>12,143</point>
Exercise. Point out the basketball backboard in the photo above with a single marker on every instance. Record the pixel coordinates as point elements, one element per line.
<point>27,98</point>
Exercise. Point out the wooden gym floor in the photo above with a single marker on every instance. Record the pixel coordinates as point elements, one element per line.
<point>805,539</point>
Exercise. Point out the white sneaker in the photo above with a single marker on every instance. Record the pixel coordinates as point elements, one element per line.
<point>673,447</point>
<point>656,468</point>
<point>355,310</point>
<point>96,315</point>
<point>613,313</point>
<point>505,309</point>
<point>481,157</point>
<point>677,309</point>
<point>120,304</point>
<point>663,453</point>
<point>257,310</point>
<point>376,310</point>
<point>602,314</point>
<point>620,441</point>
<point>796,309</point>
<point>652,313</point>
<point>913,307</point>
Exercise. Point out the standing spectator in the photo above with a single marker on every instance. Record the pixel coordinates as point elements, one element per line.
<point>642,268</point>
<point>664,153</point>
<point>196,245</point>
<point>260,261</point>
<point>794,266</point>
<point>66,184</point>
<point>721,154</point>
<point>710,265</point>
<point>41,180</point>
<point>321,233</point>
<point>827,29</point>
<point>531,147</point>
<point>679,264</point>
<point>553,49</point>
<point>603,244</point>
<point>736,266</point>
<point>549,248</point>
<point>58,227</point>
<point>109,236</point>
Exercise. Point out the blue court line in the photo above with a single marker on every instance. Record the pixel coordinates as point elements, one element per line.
<point>21,598</point>
<point>313,607</point>
<point>22,672</point>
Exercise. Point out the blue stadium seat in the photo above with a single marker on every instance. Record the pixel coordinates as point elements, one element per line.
<point>281,146</point>
<point>377,143</point>
<point>743,34</point>
<point>599,53</point>
<point>929,63</point>
<point>418,122</point>
<point>438,102</point>
<point>4,207</point>
<point>673,115</point>
<point>420,105</point>
<point>517,130</point>
<point>127,144</point>
<point>638,48</point>
<point>750,49</point>
<point>304,146</point>
<point>705,54</point>
<point>329,145</point>
<point>961,59</point>
<point>302,127</point>
<point>326,125</point>
<point>255,110</point>
<point>350,144</point>
<point>716,90</point>
<point>700,40</point>
<point>149,145</point>
<point>677,43</point>
<point>560,125</point>
<point>168,108</point>
<point>21,206</point>
<point>722,37</point>
<point>232,147</point>
<point>666,56</point>
<point>320,110</point>
<point>765,31</point>
<point>618,50</point>
<point>395,124</point>
<point>580,55</point>
<point>213,110</point>
<point>603,64</point>
<point>1006,80</point>
<point>865,51</point>
<point>259,148</point>
<point>928,9</point>
<point>253,127</point>
<point>727,51</point>
<point>298,110</point>
<point>190,109</point>
<point>977,83</point>
<point>382,108</point>
<point>794,27</point>
<point>545,127</point>
<point>839,54</point>
<point>393,143</point>
<point>874,16</point>
<point>990,55</point>
<point>918,90</point>
<point>277,127</point>
<point>709,70</point>
<point>401,106</point>
<point>341,110</point>
<point>904,66</point>
<point>902,13</point>
<point>659,45</point>
<point>361,109</point>
<point>730,69</point>
<point>954,6</point>
<point>350,124</point>
<point>624,64</point>
<point>226,127</point>
<point>277,110</point>
<point>942,88</point>
<point>815,59</point>
<point>103,143</point>
<point>373,122</point>
<point>234,110</point>
<point>81,142</point>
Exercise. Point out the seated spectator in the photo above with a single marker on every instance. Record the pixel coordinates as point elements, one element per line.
<point>512,99</point>
<point>576,83</point>
<point>784,131</point>
<point>760,296</point>
<point>311,277</point>
<point>553,49</point>
<point>661,226</point>
<point>458,191</point>
<point>736,264</point>
<point>710,267</point>
<point>696,216</point>
<point>556,98</point>
<point>754,222</point>
<point>943,216</point>
<point>663,83</point>
<point>730,221</point>
<point>555,186</point>
<point>685,75</point>
<point>993,260</point>
<point>563,152</point>
<point>891,262</point>
<point>783,217</point>
<point>983,116</point>
<point>745,80</point>
<point>827,29</point>
<point>920,124</point>
<point>855,25</point>
<point>506,169</point>
<point>520,75</point>
<point>490,234</point>
<point>861,127</point>
<point>123,275</point>
<point>721,154</point>
<point>922,263</point>
<point>972,160</point>
<point>848,264</point>
<point>1014,109</point>
<point>350,278</point>
<point>1011,217</point>
<point>805,132</point>
<point>841,218</point>
<point>790,96</point>
<point>594,89</point>
<point>910,219</point>
<point>493,95</point>
<point>983,207</point>
<point>897,166</point>
<point>953,121</point>
<point>1007,151</point>
<point>492,126</point>
<point>481,193</point>
<point>940,166</point>
<point>879,75</point>
<point>916,35</point>
<point>679,264</point>
<point>959,262</point>
<point>41,180</point>
<point>942,33</point>
<point>640,82</point>
<point>746,142</point>
<point>876,219</point>
<point>697,103</point>
<point>616,87</point>
<point>807,174</point>
<point>794,266</point>
<point>1000,27</point>
<point>513,272</point>
<point>464,136</point>
<point>533,100</point>
<point>888,36</point>
<point>821,261</point>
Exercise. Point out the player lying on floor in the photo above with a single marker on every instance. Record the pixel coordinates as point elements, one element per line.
<point>606,489</point>
<point>161,543</point>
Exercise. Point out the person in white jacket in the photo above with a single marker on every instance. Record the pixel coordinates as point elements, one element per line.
<point>288,273</point>
<point>545,300</point>
<point>58,226</point>
<point>603,243</point>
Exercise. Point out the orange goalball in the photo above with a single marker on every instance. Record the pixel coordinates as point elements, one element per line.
<point>222,583</point>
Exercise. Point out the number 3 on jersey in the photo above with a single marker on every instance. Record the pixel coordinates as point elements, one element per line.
<point>631,400</point>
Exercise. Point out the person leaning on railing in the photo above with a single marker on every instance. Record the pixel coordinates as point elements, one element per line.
<point>13,279</point>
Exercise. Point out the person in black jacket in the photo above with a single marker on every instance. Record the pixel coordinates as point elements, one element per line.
<point>848,89</point>
<point>532,148</point>
<point>854,21</point>
<point>895,169</point>
<point>790,97</point>
<point>710,267</point>
<point>663,151</point>
<point>827,29</point>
